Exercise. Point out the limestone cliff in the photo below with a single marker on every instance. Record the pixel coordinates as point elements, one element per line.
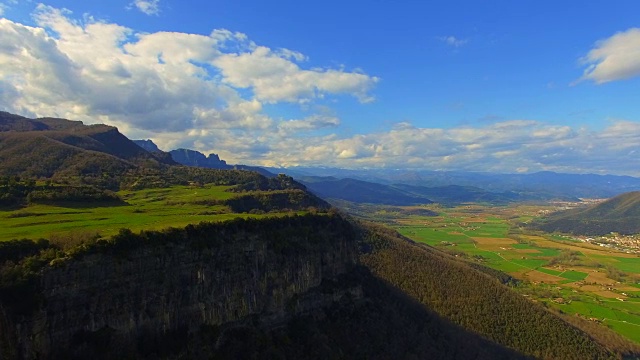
<point>139,290</point>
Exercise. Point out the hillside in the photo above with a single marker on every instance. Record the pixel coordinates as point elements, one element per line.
<point>63,149</point>
<point>619,214</point>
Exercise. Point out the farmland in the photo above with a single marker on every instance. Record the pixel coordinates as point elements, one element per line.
<point>595,283</point>
<point>148,209</point>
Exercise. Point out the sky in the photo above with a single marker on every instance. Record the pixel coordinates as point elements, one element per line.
<point>496,86</point>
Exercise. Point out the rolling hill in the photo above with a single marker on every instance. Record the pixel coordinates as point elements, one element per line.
<point>619,214</point>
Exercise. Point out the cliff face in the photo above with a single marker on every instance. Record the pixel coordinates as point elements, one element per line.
<point>168,285</point>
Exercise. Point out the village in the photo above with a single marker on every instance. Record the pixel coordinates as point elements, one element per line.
<point>627,243</point>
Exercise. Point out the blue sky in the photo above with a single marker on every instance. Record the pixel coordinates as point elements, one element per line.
<point>503,86</point>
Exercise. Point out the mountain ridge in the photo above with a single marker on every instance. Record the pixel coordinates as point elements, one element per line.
<point>545,184</point>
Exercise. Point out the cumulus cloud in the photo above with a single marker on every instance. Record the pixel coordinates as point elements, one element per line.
<point>453,41</point>
<point>275,76</point>
<point>615,58</point>
<point>99,71</point>
<point>509,146</point>
<point>149,7</point>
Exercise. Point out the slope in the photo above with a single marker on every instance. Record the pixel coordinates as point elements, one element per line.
<point>619,214</point>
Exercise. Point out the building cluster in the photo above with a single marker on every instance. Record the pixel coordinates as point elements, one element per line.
<point>626,243</point>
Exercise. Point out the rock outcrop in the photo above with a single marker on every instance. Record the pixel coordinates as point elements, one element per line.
<point>196,158</point>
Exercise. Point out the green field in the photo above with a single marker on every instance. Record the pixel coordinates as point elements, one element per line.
<point>573,275</point>
<point>148,209</point>
<point>549,271</point>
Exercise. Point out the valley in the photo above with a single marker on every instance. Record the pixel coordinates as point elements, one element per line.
<point>571,275</point>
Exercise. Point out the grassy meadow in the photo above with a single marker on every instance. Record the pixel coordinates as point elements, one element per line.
<point>148,209</point>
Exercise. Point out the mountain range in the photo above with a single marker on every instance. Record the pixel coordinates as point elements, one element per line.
<point>360,191</point>
<point>190,157</point>
<point>546,184</point>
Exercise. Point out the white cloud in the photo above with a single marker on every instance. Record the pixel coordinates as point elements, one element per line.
<point>510,146</point>
<point>310,123</point>
<point>453,41</point>
<point>149,7</point>
<point>275,77</point>
<point>615,58</point>
<point>98,71</point>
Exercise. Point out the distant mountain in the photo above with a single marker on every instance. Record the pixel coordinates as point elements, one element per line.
<point>620,214</point>
<point>361,191</point>
<point>546,184</point>
<point>196,158</point>
<point>456,194</point>
<point>190,157</point>
<point>148,145</point>
<point>50,148</point>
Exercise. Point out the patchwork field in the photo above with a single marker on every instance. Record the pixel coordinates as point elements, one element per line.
<point>574,277</point>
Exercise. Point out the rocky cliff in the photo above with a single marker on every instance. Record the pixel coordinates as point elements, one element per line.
<point>196,158</point>
<point>140,293</point>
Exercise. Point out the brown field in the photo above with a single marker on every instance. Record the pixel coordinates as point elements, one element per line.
<point>599,278</point>
<point>602,279</point>
<point>609,294</point>
<point>493,244</point>
<point>540,276</point>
